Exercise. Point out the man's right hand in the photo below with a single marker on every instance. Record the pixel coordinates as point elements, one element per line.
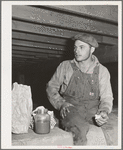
<point>64,109</point>
<point>103,118</point>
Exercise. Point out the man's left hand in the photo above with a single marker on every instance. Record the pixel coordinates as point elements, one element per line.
<point>102,119</point>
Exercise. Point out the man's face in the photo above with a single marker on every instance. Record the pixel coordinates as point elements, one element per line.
<point>82,50</point>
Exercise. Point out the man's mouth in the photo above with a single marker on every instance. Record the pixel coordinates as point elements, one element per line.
<point>77,55</point>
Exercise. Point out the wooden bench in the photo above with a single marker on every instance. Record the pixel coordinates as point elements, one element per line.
<point>55,137</point>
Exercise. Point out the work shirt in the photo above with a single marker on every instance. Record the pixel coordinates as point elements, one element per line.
<point>61,78</point>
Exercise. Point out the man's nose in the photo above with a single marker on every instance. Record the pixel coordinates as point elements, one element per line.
<point>76,50</point>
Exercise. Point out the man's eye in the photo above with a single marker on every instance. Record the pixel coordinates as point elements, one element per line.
<point>81,47</point>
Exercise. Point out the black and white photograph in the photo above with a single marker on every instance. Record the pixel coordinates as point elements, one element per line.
<point>61,74</point>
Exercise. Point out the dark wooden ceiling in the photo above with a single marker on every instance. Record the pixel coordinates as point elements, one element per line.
<point>43,33</point>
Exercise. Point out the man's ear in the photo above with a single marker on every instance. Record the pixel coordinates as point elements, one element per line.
<point>92,49</point>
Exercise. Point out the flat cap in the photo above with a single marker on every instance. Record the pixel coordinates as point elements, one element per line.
<point>86,38</point>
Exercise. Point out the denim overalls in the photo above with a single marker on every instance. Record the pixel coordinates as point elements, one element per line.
<point>83,93</point>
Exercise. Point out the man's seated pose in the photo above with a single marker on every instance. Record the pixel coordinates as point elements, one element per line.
<point>81,90</point>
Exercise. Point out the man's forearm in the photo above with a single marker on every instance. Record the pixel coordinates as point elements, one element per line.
<point>54,97</point>
<point>106,104</point>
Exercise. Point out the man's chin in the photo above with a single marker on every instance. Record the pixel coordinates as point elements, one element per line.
<point>78,60</point>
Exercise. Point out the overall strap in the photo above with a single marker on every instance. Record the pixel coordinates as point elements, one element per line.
<point>96,70</point>
<point>73,65</point>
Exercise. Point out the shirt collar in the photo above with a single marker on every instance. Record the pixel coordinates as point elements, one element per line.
<point>91,68</point>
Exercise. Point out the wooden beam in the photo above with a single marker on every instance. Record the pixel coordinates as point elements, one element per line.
<point>51,32</point>
<point>45,16</point>
<point>23,53</point>
<point>29,27</point>
<point>35,50</point>
<point>38,38</point>
<point>79,10</point>
<point>57,32</point>
<point>16,64</point>
<point>109,40</point>
<point>54,56</point>
<point>24,62</point>
<point>37,45</point>
<point>21,56</point>
<point>104,52</point>
<point>30,57</point>
<point>15,60</point>
<point>27,61</point>
<point>59,41</point>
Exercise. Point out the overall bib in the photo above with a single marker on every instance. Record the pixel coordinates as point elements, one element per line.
<point>83,93</point>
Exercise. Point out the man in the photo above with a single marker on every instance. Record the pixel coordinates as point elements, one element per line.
<point>80,89</point>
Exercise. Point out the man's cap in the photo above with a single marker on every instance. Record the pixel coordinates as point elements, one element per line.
<point>87,39</point>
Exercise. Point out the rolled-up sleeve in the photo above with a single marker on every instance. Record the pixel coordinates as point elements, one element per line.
<point>53,87</point>
<point>106,95</point>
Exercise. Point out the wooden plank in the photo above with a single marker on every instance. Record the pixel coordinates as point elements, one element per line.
<point>48,17</point>
<point>46,30</point>
<point>21,56</point>
<point>23,53</point>
<point>35,50</point>
<point>38,38</point>
<point>30,57</point>
<point>49,56</point>
<point>103,51</point>
<point>20,59</point>
<point>51,32</point>
<point>54,56</point>
<point>15,60</point>
<point>88,11</point>
<point>35,55</point>
<point>17,64</point>
<point>37,45</point>
<point>109,40</point>
<point>54,40</point>
<point>24,62</point>
<point>28,61</point>
<point>35,60</point>
<point>26,56</point>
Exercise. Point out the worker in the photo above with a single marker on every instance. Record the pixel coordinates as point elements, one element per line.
<point>81,90</point>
